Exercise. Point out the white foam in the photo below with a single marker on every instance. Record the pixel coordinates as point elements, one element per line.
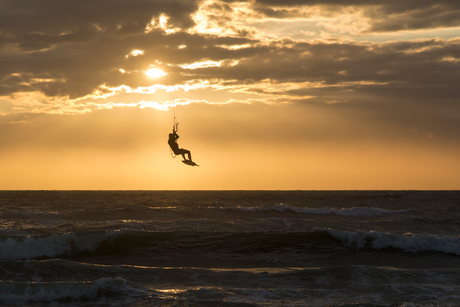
<point>53,245</point>
<point>22,292</point>
<point>407,242</point>
<point>355,211</point>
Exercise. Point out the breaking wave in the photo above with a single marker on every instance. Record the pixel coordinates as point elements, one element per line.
<point>355,211</point>
<point>408,242</point>
<point>54,245</point>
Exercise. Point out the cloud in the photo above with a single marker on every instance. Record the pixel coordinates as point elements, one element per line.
<point>414,15</point>
<point>380,15</point>
<point>93,51</point>
<point>86,46</point>
<point>79,45</point>
<point>420,67</point>
<point>56,17</point>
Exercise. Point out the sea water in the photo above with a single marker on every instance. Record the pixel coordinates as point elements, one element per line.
<point>230,248</point>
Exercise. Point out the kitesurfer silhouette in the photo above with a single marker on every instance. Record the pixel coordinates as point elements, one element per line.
<point>175,147</point>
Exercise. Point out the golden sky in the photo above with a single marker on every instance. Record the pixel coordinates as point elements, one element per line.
<point>270,94</point>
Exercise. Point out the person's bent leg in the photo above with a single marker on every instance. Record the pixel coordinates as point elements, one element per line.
<point>188,153</point>
<point>183,152</point>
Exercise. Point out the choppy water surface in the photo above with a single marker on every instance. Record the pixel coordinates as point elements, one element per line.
<point>229,248</point>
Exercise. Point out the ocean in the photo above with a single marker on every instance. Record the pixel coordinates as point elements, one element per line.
<point>230,248</point>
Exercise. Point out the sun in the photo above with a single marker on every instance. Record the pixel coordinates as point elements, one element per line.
<point>155,73</point>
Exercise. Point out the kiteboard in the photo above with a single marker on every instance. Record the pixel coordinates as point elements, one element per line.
<point>188,162</point>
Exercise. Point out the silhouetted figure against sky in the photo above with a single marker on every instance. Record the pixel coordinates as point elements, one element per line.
<point>175,147</point>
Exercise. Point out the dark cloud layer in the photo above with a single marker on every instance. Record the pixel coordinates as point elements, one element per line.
<point>421,68</point>
<point>384,15</point>
<point>77,45</point>
<point>54,17</point>
<point>71,48</point>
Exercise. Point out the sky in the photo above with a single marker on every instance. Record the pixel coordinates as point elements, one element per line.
<point>269,94</point>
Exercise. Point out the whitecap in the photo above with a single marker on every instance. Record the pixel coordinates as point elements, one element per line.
<point>355,211</point>
<point>408,242</point>
<point>53,245</point>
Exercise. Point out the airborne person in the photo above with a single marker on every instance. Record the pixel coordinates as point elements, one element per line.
<point>175,147</point>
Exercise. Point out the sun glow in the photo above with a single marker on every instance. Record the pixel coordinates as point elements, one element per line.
<point>155,73</point>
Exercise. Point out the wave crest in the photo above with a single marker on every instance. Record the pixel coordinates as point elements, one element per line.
<point>355,211</point>
<point>54,245</point>
<point>407,243</point>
